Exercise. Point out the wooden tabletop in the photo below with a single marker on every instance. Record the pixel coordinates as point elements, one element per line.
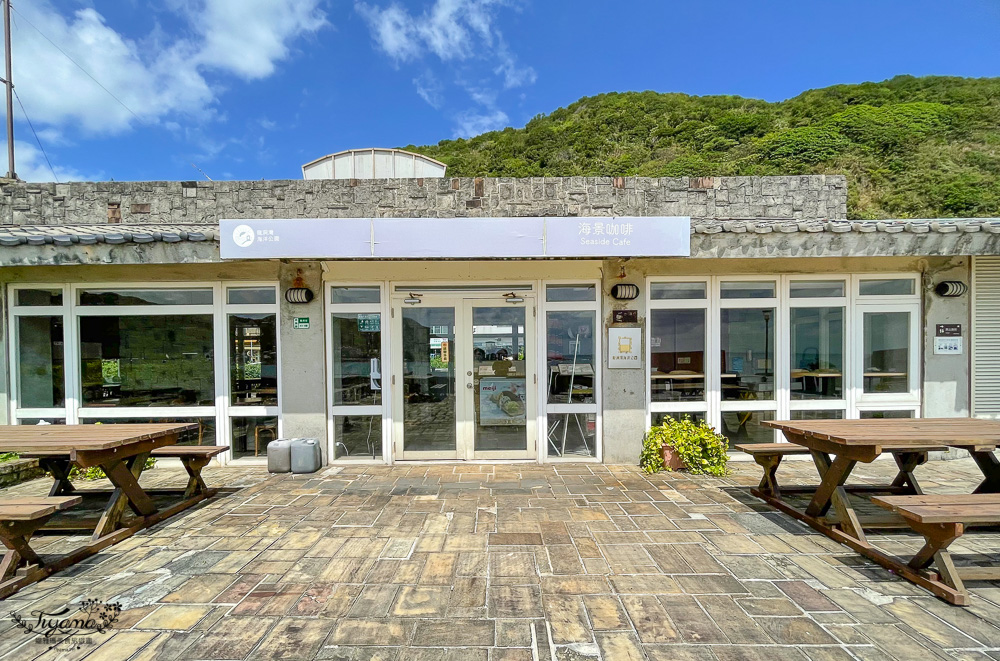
<point>953,432</point>
<point>28,439</point>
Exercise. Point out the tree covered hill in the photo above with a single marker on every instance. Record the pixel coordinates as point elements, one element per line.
<point>910,147</point>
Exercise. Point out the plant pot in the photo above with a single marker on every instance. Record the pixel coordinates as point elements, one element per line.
<point>671,459</point>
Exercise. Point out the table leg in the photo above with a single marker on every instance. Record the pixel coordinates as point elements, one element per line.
<point>15,536</point>
<point>833,476</point>
<point>196,484</point>
<point>990,467</point>
<point>907,462</point>
<point>124,474</point>
<point>59,468</point>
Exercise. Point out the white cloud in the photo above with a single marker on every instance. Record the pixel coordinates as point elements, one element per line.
<point>471,123</point>
<point>430,89</point>
<point>155,77</point>
<point>31,165</point>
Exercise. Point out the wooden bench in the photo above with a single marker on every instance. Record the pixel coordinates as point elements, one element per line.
<point>769,456</point>
<point>20,518</point>
<point>194,458</point>
<point>941,519</point>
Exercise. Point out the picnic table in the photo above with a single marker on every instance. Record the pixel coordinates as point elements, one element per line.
<point>121,451</point>
<point>837,446</point>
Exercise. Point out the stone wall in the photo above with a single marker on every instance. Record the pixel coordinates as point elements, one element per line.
<point>799,197</point>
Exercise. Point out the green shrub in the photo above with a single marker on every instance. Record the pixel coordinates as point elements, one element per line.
<point>8,456</point>
<point>96,473</point>
<point>703,450</point>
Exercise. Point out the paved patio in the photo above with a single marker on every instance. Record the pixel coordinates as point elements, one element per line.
<point>505,562</point>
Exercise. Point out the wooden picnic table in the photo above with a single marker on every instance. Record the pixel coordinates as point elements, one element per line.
<point>120,451</point>
<point>838,445</point>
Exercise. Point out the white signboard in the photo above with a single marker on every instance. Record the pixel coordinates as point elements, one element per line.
<point>455,238</point>
<point>947,345</point>
<point>624,348</point>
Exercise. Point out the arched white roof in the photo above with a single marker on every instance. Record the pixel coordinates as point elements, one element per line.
<point>373,164</point>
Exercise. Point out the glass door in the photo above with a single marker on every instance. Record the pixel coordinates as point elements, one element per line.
<point>500,413</point>
<point>463,377</point>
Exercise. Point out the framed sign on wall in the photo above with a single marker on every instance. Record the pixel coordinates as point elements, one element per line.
<point>624,348</point>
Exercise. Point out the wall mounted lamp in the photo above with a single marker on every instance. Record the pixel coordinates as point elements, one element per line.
<point>623,292</point>
<point>951,288</point>
<point>298,292</point>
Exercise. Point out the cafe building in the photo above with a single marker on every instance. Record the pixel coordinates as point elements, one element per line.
<point>400,315</point>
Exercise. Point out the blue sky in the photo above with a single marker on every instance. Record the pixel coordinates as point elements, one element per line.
<point>251,89</point>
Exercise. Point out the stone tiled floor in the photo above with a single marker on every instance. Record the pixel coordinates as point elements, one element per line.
<point>507,562</point>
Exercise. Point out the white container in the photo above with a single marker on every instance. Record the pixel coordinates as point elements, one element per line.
<point>307,457</point>
<point>279,455</point>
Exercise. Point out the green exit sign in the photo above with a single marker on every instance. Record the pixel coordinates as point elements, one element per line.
<point>300,323</point>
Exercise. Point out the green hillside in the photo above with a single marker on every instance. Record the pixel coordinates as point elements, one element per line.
<point>910,147</point>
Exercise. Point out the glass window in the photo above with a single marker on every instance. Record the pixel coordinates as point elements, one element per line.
<point>746,427</point>
<point>817,349</point>
<point>355,295</point>
<point>817,415</point>
<point>817,289</point>
<point>253,360</point>
<point>745,289</point>
<point>872,415</point>
<point>251,296</point>
<point>572,434</point>
<point>37,297</point>
<point>357,355</point>
<point>252,435</point>
<point>500,379</point>
<point>357,437</point>
<point>429,379</point>
<point>156,360</point>
<point>571,356</point>
<point>41,421</point>
<point>677,291</point>
<point>146,297</point>
<point>747,353</point>
<point>40,375</point>
<point>696,417</point>
<point>677,355</point>
<point>886,352</point>
<point>203,435</point>
<point>887,287</point>
<point>557,293</point>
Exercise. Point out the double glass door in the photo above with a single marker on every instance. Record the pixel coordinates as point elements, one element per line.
<point>463,377</point>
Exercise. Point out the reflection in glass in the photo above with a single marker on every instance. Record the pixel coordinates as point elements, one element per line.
<point>570,352</point>
<point>203,435</point>
<point>251,296</point>
<point>156,360</point>
<point>886,287</point>
<point>747,353</point>
<point>745,427</point>
<point>556,293</point>
<point>817,415</point>
<point>37,297</point>
<point>251,436</point>
<point>347,295</point>
<point>886,352</point>
<point>572,434</point>
<point>499,378</point>
<point>746,289</point>
<point>357,437</point>
<point>357,357</point>
<point>817,348</point>
<point>659,416</point>
<point>817,288</point>
<point>661,291</point>
<point>429,379</point>
<point>40,362</point>
<point>874,415</point>
<point>40,421</point>
<point>677,363</point>
<point>146,297</point>
<point>253,360</point>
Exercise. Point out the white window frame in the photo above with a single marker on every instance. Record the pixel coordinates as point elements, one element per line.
<point>542,372</point>
<point>13,313</point>
<point>382,410</point>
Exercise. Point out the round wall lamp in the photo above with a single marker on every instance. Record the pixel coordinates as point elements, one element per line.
<point>298,295</point>
<point>623,292</point>
<point>951,288</point>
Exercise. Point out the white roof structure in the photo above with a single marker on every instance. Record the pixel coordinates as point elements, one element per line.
<point>373,164</point>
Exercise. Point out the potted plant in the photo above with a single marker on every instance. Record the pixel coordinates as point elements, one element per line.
<point>684,444</point>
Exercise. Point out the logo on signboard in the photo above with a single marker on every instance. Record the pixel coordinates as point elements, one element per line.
<point>243,235</point>
<point>624,347</point>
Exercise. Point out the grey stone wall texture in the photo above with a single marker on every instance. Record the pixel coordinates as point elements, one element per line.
<point>810,197</point>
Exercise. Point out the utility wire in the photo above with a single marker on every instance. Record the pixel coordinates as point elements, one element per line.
<point>32,127</point>
<point>78,66</point>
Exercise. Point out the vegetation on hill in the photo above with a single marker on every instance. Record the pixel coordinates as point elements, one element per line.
<point>910,147</point>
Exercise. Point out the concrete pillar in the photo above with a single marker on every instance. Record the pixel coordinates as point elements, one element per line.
<point>624,403</point>
<point>303,357</point>
<point>946,378</point>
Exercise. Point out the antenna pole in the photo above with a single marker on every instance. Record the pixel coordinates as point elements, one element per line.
<point>9,84</point>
